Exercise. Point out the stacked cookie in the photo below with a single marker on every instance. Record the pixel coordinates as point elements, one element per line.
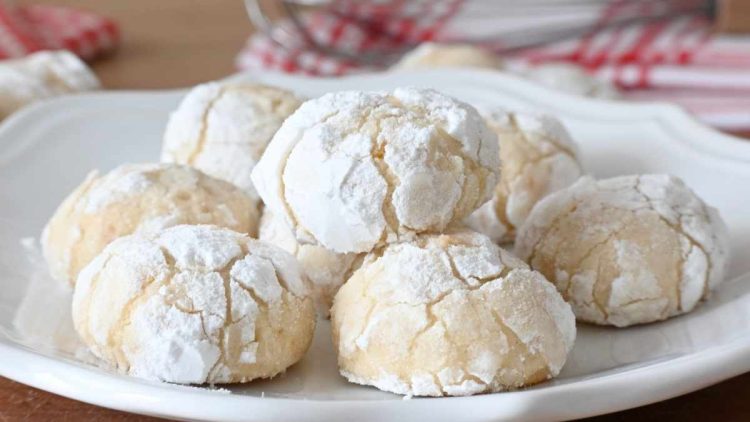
<point>385,211</point>
<point>169,284</point>
<point>434,308</point>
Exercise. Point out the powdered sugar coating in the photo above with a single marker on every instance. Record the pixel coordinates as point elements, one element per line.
<point>449,314</point>
<point>570,78</point>
<point>538,157</point>
<point>326,270</point>
<point>41,75</point>
<point>138,197</point>
<point>193,305</point>
<point>223,128</point>
<point>353,170</point>
<point>117,185</point>
<point>627,250</point>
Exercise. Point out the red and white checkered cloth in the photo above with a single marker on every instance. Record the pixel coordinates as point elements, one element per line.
<point>679,60</point>
<point>26,29</point>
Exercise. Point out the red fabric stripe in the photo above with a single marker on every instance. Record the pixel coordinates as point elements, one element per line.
<point>705,37</point>
<point>83,32</point>
<point>685,52</point>
<point>338,29</point>
<point>644,41</point>
<point>17,30</point>
<point>601,57</point>
<point>609,13</point>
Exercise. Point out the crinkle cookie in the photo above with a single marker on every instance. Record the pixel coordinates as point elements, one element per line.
<point>627,250</point>
<point>41,75</point>
<point>447,315</point>
<point>353,170</point>
<point>222,129</point>
<point>136,197</point>
<point>538,157</point>
<point>325,269</point>
<point>194,305</point>
<point>572,79</point>
<point>430,55</point>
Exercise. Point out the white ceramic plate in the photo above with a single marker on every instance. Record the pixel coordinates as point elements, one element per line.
<point>46,150</point>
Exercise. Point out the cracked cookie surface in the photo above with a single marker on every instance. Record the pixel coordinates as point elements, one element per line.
<point>627,250</point>
<point>194,305</point>
<point>449,314</point>
<point>538,157</point>
<point>354,170</point>
<point>138,197</point>
<point>222,129</point>
<point>326,270</point>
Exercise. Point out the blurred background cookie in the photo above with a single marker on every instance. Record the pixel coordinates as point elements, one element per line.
<point>222,129</point>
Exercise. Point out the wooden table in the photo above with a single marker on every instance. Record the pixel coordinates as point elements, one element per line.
<point>177,43</point>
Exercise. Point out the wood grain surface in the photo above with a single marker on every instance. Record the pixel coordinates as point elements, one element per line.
<point>177,43</point>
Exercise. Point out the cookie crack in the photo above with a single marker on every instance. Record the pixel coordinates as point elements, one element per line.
<point>545,233</point>
<point>611,236</point>
<point>228,319</point>
<point>289,211</point>
<point>431,322</point>
<point>634,301</point>
<point>114,335</point>
<point>253,294</point>
<point>377,152</point>
<point>551,139</point>
<point>470,167</point>
<point>693,242</point>
<point>466,374</point>
<point>480,280</point>
<point>204,127</point>
<point>511,334</point>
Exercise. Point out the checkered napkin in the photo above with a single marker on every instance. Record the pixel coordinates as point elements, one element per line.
<point>678,60</point>
<point>26,29</point>
<point>385,31</point>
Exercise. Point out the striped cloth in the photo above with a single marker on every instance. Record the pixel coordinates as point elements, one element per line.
<point>679,60</point>
<point>26,29</point>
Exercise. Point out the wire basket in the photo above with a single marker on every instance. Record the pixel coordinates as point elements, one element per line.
<point>396,26</point>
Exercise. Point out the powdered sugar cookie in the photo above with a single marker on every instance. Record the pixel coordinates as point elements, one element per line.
<point>627,250</point>
<point>222,129</point>
<point>326,270</point>
<point>352,170</point>
<point>42,75</point>
<point>570,78</point>
<point>538,157</point>
<point>447,315</point>
<point>429,55</point>
<point>138,197</point>
<point>194,305</point>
